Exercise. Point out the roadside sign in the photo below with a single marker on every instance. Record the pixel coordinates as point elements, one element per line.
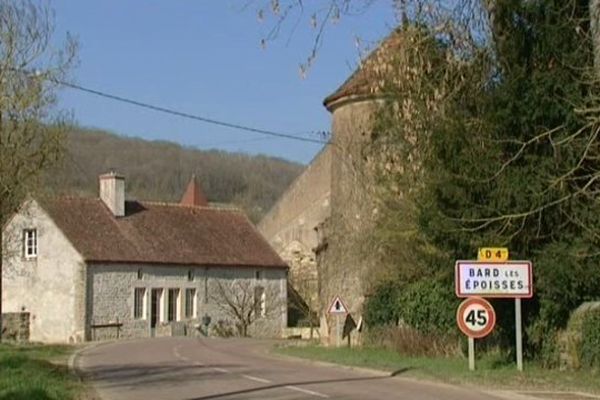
<point>337,306</point>
<point>492,254</point>
<point>476,317</point>
<point>508,279</point>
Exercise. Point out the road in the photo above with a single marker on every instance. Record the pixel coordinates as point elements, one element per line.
<point>227,369</point>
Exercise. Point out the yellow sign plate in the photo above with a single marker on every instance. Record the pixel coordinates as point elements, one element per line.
<point>492,254</point>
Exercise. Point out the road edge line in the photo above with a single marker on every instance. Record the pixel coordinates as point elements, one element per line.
<point>501,394</point>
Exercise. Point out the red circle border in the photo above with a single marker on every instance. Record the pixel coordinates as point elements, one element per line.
<point>491,322</point>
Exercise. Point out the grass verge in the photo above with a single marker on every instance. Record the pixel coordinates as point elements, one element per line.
<point>491,371</point>
<point>37,372</point>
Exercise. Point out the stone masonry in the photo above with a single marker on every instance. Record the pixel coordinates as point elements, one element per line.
<point>15,326</point>
<point>51,286</point>
<point>290,226</point>
<point>111,291</point>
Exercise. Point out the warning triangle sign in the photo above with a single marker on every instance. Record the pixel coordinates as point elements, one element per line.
<point>338,306</point>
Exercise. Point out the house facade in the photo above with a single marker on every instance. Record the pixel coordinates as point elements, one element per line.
<point>98,268</point>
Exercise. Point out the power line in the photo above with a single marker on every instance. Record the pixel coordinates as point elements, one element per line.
<point>187,115</point>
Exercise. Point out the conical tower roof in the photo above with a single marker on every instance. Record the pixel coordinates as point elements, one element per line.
<point>193,195</point>
<point>369,79</point>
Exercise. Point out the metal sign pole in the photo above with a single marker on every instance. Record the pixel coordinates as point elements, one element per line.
<point>337,330</point>
<point>471,354</point>
<point>519,334</point>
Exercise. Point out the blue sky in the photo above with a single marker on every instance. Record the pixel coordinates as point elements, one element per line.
<point>204,57</point>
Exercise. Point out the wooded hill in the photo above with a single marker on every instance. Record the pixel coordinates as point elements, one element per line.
<point>160,171</point>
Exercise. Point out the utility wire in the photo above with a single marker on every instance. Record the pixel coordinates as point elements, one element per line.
<point>187,115</point>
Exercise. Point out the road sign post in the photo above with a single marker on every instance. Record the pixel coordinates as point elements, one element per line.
<point>476,318</point>
<point>492,275</point>
<point>337,308</point>
<point>519,334</point>
<point>471,354</point>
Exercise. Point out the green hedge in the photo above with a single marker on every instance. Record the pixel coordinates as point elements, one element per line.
<point>590,340</point>
<point>428,306</point>
<point>381,308</point>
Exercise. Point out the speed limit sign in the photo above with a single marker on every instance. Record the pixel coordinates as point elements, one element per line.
<point>476,317</point>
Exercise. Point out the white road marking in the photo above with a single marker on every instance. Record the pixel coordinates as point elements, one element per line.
<point>176,352</point>
<point>220,370</point>
<point>254,378</point>
<point>306,391</point>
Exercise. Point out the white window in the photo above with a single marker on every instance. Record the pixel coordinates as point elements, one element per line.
<point>139,303</point>
<point>173,305</point>
<point>30,243</point>
<point>190,303</point>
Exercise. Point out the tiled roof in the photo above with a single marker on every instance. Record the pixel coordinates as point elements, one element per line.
<point>162,233</point>
<point>368,79</point>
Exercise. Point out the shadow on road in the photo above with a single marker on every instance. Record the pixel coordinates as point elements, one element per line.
<point>298,384</point>
<point>173,374</point>
<point>160,374</point>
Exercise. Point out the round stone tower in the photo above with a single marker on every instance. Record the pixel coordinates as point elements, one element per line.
<point>343,259</point>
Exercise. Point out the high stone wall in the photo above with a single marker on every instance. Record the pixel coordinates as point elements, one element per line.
<point>290,226</point>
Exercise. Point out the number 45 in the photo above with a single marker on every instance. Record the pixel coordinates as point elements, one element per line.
<point>479,318</point>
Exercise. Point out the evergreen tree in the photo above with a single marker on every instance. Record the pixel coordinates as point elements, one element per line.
<point>508,158</point>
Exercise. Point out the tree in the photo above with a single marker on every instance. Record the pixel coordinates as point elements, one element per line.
<point>495,142</point>
<point>31,129</point>
<point>462,22</point>
<point>246,301</point>
<point>505,140</point>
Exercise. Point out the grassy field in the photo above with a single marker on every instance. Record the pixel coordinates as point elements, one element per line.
<point>491,372</point>
<point>37,372</point>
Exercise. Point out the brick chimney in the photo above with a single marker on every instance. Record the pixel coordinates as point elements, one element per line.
<point>193,195</point>
<point>112,192</point>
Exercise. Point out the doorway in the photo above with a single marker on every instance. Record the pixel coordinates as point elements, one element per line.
<point>156,295</point>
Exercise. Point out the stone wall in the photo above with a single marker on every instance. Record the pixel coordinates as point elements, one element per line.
<point>111,298</point>
<point>290,225</point>
<point>15,326</point>
<point>50,286</point>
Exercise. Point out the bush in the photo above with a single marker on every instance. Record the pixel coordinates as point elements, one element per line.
<point>410,342</point>
<point>429,306</point>
<point>223,328</point>
<point>381,308</point>
<point>550,350</point>
<point>581,338</point>
<point>590,340</point>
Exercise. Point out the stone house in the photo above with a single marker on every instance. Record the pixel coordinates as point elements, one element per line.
<point>96,268</point>
<point>338,233</point>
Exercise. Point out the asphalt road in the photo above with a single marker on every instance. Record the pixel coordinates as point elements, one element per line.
<point>202,369</point>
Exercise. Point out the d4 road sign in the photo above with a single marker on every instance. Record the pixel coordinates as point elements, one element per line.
<point>476,317</point>
<point>337,306</point>
<point>492,254</point>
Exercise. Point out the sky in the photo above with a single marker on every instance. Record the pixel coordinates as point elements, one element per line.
<point>204,57</point>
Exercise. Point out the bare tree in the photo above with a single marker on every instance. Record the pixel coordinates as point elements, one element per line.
<point>31,129</point>
<point>245,301</point>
